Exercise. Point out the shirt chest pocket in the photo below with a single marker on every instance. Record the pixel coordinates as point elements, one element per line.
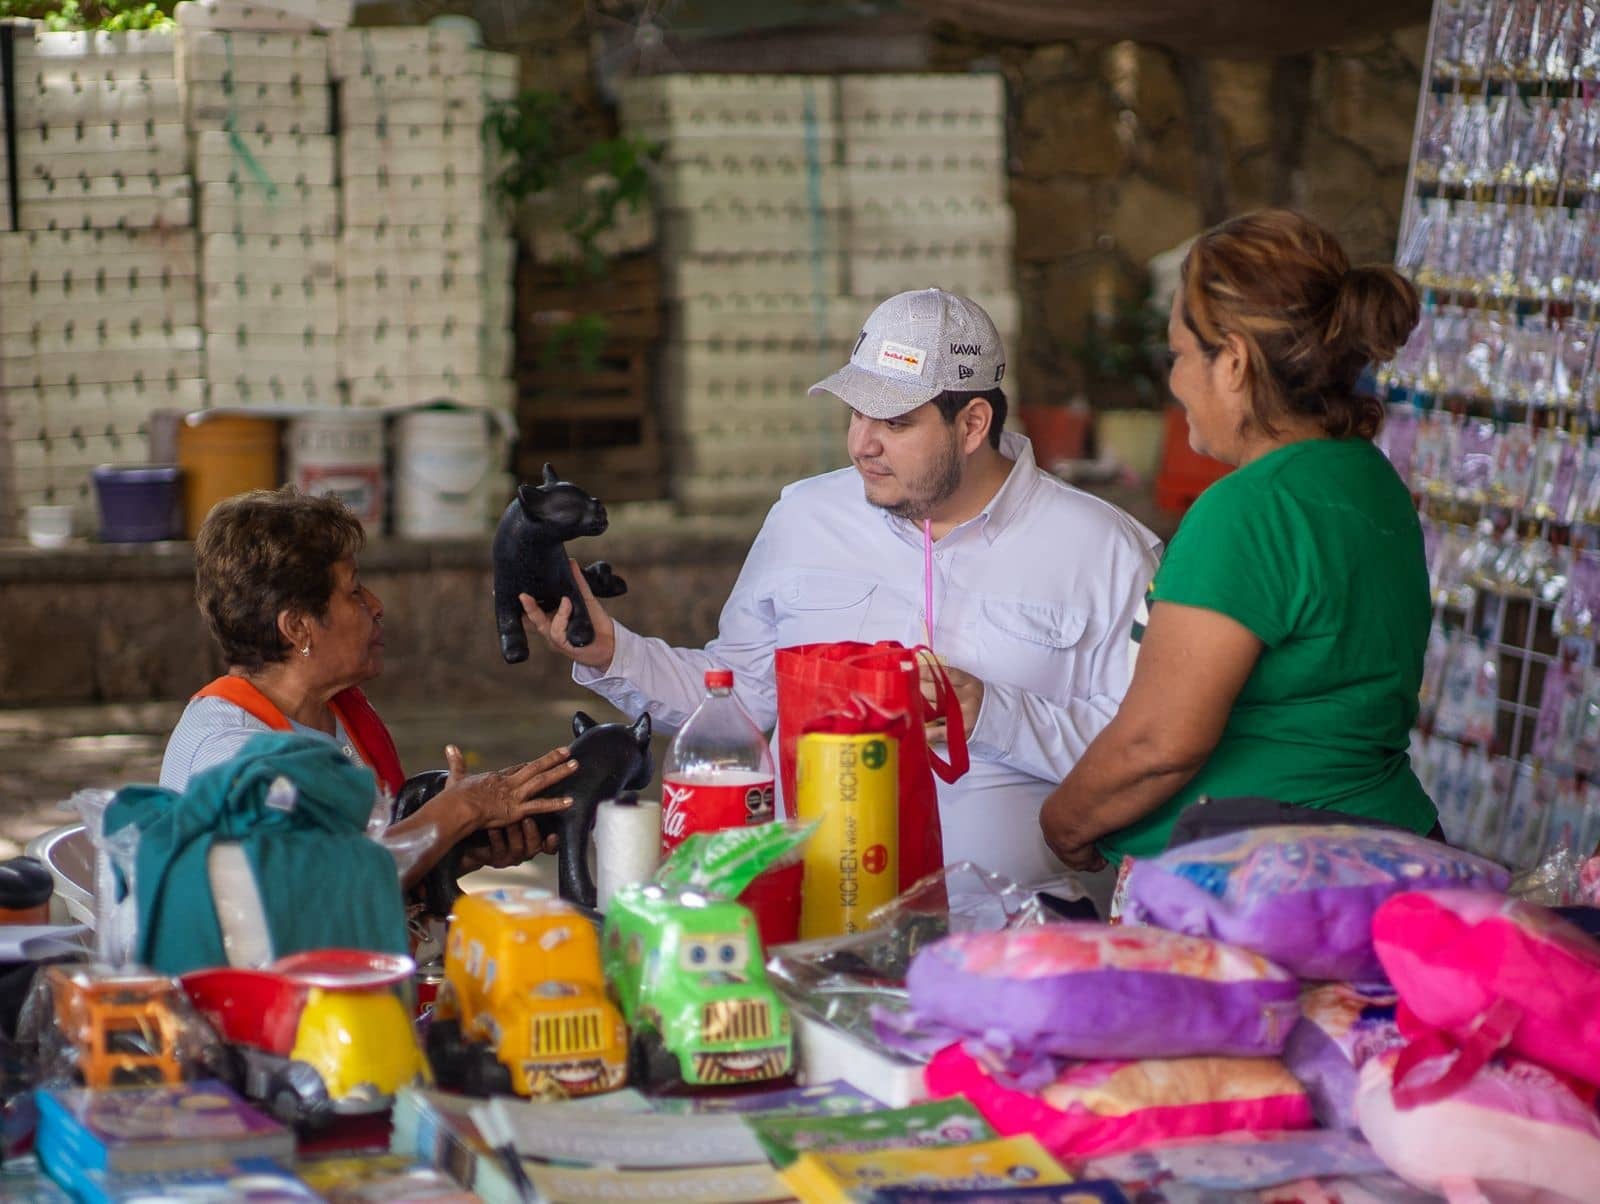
<point>1035,645</point>
<point>815,608</point>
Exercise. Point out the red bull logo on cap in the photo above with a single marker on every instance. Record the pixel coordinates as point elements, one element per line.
<point>898,357</point>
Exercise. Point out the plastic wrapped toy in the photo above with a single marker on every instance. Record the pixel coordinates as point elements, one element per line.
<point>318,1034</point>
<point>523,1006</point>
<point>103,1027</point>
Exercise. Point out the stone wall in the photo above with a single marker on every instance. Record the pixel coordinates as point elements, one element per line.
<point>1119,152</point>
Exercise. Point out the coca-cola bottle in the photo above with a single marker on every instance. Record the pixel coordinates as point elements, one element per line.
<point>719,774</point>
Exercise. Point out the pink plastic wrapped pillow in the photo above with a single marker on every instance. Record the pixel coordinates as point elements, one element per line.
<point>1478,972</point>
<point>1095,1108</point>
<point>1514,1133</point>
<point>1302,895</point>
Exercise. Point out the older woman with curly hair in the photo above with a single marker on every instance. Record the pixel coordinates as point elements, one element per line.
<point>277,581</point>
<point>1282,656</point>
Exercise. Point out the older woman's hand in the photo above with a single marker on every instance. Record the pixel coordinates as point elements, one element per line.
<point>505,797</point>
<point>506,847</point>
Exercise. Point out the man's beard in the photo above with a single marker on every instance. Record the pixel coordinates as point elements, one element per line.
<point>933,488</point>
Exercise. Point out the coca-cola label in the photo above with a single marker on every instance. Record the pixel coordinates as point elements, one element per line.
<point>689,807</point>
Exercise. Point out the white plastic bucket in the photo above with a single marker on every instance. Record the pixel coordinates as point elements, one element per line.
<point>442,469</point>
<point>340,453</point>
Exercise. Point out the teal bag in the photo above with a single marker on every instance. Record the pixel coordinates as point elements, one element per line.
<point>323,882</point>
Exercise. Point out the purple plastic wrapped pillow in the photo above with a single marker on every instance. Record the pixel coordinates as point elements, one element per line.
<point>1303,896</point>
<point>1342,1026</point>
<point>1087,990</point>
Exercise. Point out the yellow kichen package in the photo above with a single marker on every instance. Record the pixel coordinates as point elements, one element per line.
<point>849,784</point>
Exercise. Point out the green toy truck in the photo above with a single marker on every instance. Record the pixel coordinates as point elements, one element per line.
<point>687,969</point>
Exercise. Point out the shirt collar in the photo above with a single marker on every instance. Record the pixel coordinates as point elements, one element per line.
<point>1002,507</point>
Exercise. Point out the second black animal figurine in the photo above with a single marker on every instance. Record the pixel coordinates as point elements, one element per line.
<point>612,758</point>
<point>529,558</point>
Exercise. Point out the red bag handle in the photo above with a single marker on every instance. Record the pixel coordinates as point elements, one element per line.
<point>1490,1033</point>
<point>947,707</point>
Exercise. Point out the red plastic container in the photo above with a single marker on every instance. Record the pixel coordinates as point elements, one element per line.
<point>1185,474</point>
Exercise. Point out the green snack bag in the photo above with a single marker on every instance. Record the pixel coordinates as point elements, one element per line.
<point>727,861</point>
<point>921,1126</point>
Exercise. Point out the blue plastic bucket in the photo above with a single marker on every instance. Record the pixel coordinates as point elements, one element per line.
<point>138,504</point>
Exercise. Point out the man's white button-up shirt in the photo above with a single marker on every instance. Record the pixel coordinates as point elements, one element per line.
<point>1036,595</point>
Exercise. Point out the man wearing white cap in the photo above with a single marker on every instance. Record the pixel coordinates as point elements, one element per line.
<point>1035,585</point>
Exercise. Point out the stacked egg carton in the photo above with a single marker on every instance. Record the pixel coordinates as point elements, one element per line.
<point>98,309</point>
<point>925,176</point>
<point>427,254</point>
<point>96,333</point>
<point>99,132</point>
<point>750,207</point>
<point>259,110</point>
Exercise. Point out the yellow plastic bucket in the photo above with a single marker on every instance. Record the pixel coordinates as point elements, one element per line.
<point>851,784</point>
<point>221,457</point>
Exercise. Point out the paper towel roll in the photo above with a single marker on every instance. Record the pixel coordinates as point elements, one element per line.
<point>627,845</point>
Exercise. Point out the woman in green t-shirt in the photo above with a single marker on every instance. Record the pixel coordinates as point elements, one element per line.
<point>1283,651</point>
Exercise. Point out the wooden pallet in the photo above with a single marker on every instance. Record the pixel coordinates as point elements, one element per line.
<point>598,425</point>
<point>628,298</point>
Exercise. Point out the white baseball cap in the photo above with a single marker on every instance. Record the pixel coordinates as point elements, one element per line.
<point>914,347</point>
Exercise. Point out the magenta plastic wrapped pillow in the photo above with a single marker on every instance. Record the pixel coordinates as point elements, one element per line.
<point>1302,896</point>
<point>1086,990</point>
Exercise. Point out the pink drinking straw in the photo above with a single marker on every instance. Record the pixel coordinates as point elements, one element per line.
<point>927,580</point>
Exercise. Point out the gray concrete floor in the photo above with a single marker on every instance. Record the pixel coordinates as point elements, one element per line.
<point>46,754</point>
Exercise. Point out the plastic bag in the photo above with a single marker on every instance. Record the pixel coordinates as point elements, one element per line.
<point>728,860</point>
<point>101,1026</point>
<point>116,913</point>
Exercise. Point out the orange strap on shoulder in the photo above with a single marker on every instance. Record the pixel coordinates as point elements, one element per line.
<point>248,699</point>
<point>361,724</point>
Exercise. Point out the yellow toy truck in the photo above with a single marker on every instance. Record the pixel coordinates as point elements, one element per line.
<point>523,1004</point>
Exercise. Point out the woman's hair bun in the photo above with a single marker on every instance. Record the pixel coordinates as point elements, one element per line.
<point>1374,314</point>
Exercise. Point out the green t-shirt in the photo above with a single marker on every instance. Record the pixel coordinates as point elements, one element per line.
<point>1316,548</point>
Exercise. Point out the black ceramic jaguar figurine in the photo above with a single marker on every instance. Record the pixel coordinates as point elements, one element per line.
<point>612,758</point>
<point>529,559</point>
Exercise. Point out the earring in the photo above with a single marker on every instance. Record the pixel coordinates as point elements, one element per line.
<point>306,651</point>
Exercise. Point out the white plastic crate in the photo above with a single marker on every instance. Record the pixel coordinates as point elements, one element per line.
<point>93,337</point>
<point>170,206</point>
<point>367,52</point>
<point>736,227</point>
<point>366,249</point>
<point>269,257</point>
<point>92,296</point>
<point>664,102</point>
<point>252,58</point>
<point>388,391</point>
<point>105,363</point>
<point>36,257</point>
<point>244,210</point>
<point>264,16</point>
<point>406,350</point>
<point>268,108</point>
<point>99,102</point>
<point>770,371</point>
<point>288,386</point>
<point>779,272</point>
<point>922,103</point>
<point>793,318</point>
<point>959,270</point>
<point>286,159</point>
<point>929,220</point>
<point>48,151</point>
<point>772,181</point>
<point>449,297</point>
<point>466,107</point>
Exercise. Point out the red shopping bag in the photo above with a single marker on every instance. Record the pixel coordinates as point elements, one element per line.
<point>833,686</point>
